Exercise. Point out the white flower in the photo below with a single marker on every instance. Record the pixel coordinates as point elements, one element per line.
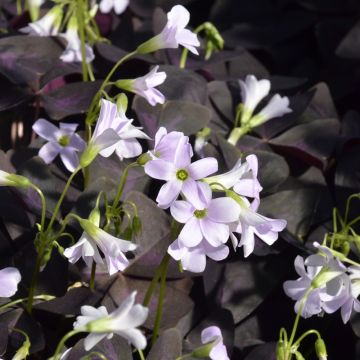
<point>251,223</point>
<point>325,286</point>
<point>166,145</point>
<point>207,221</point>
<point>61,141</point>
<point>72,53</point>
<point>173,34</point>
<point>94,237</point>
<point>103,136</point>
<point>118,5</point>
<point>252,92</point>
<point>242,177</point>
<point>123,322</point>
<point>212,334</point>
<point>111,117</point>
<point>145,86</point>
<point>9,280</point>
<point>48,25</point>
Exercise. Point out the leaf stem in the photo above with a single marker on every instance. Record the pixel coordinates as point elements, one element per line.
<point>160,306</point>
<point>61,344</point>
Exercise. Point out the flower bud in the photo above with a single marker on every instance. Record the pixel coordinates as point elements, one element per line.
<point>7,179</point>
<point>143,159</point>
<point>320,349</point>
<point>280,350</point>
<point>122,103</point>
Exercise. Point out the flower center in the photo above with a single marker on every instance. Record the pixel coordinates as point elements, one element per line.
<point>182,174</point>
<point>64,140</point>
<point>200,214</point>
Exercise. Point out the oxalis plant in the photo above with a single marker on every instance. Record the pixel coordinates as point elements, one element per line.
<point>162,205</point>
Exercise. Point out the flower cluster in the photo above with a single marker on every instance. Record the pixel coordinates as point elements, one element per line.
<point>208,222</point>
<point>325,285</point>
<point>114,132</point>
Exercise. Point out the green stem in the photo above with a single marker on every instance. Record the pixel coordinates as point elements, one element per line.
<point>121,185</point>
<point>18,301</point>
<point>80,16</point>
<point>34,279</point>
<point>97,96</point>
<point>61,344</point>
<point>62,196</point>
<point>93,274</point>
<point>296,323</point>
<point>141,354</point>
<point>155,280</point>
<point>43,206</point>
<point>303,336</point>
<point>159,309</point>
<point>236,134</point>
<point>185,51</point>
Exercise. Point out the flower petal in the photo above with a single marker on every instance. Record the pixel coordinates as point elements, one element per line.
<point>9,279</point>
<point>92,339</point>
<point>168,193</point>
<point>182,211</point>
<point>191,235</point>
<point>49,151</point>
<point>46,130</point>
<point>202,168</point>
<point>69,158</point>
<point>223,210</point>
<point>215,233</point>
<point>160,169</point>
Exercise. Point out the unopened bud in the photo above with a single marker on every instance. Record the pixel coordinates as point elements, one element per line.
<point>280,350</point>
<point>320,349</point>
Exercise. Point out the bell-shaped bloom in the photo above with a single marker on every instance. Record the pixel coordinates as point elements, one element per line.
<point>173,34</point>
<point>180,175</point>
<point>194,258</point>
<point>251,223</point>
<point>252,92</point>
<point>72,52</point>
<point>7,179</point>
<point>61,141</point>
<point>276,107</point>
<point>123,321</point>
<point>113,118</point>
<point>209,221</point>
<point>145,86</point>
<point>212,336</point>
<point>9,280</point>
<point>93,238</point>
<point>104,135</point>
<point>166,145</point>
<point>119,6</point>
<point>242,178</point>
<point>48,25</point>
